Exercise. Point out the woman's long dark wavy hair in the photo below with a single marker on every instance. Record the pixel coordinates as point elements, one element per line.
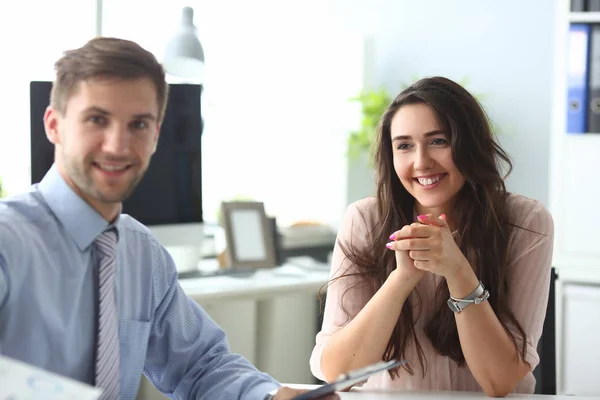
<point>479,215</point>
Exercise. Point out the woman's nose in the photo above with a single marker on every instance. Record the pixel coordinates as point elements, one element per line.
<point>423,161</point>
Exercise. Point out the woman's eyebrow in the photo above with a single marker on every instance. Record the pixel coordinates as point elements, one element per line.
<point>428,134</point>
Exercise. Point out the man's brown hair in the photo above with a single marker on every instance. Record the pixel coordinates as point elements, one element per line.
<point>105,57</point>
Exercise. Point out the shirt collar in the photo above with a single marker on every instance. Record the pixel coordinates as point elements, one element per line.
<point>79,219</point>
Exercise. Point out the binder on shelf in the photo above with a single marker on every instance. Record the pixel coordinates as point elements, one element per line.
<point>593,5</point>
<point>577,5</point>
<point>593,110</point>
<point>577,79</point>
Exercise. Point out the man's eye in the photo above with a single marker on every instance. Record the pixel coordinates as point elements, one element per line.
<point>97,119</point>
<point>140,125</point>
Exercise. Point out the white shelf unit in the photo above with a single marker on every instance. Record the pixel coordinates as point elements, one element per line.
<point>575,206</point>
<point>574,161</point>
<point>590,17</point>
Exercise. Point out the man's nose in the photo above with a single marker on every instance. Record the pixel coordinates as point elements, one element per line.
<point>116,140</point>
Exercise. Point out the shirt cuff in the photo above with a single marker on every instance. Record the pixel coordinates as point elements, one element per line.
<point>263,391</point>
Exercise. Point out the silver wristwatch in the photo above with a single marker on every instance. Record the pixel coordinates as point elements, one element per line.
<point>477,296</point>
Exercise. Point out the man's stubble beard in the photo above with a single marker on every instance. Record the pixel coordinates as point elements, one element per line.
<point>82,177</point>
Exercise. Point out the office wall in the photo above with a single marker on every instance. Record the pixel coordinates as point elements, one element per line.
<point>34,34</point>
<point>504,48</point>
<point>309,62</point>
<point>279,75</point>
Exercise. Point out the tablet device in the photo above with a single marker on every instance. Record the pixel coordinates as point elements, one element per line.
<point>349,379</point>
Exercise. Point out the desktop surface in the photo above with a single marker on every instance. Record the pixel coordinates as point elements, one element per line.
<point>258,283</point>
<point>358,393</point>
<point>234,272</point>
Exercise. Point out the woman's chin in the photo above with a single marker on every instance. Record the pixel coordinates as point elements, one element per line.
<point>431,204</point>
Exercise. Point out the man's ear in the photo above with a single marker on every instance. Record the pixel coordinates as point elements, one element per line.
<point>51,121</point>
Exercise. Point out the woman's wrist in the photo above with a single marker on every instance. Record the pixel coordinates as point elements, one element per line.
<point>399,285</point>
<point>462,282</point>
<point>406,279</point>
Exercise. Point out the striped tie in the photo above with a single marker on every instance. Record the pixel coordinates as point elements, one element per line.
<point>107,350</point>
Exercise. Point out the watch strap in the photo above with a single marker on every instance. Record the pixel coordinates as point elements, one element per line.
<point>477,296</point>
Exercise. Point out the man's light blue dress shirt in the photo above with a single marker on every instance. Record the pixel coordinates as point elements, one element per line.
<point>48,302</point>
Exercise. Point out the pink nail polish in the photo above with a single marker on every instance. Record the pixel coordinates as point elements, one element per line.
<point>388,245</point>
<point>443,216</point>
<point>392,236</point>
<point>422,216</point>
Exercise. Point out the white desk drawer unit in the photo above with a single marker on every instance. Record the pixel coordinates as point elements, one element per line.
<point>581,333</point>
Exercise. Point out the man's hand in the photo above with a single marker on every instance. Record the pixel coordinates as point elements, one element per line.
<point>286,393</point>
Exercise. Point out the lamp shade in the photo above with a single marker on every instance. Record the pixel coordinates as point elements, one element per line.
<point>184,56</point>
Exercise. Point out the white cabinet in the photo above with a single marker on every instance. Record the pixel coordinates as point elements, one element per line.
<point>579,326</point>
<point>581,330</point>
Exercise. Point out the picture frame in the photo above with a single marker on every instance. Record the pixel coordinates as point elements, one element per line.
<point>248,235</point>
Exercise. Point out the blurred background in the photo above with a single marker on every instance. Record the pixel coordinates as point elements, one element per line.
<point>279,126</point>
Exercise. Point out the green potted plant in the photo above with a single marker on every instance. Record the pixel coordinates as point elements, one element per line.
<point>373,104</point>
<point>361,173</point>
<point>2,192</point>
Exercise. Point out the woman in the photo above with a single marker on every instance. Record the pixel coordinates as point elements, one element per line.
<point>443,267</point>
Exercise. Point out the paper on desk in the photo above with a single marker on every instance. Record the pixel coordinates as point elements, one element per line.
<point>308,263</point>
<point>20,381</point>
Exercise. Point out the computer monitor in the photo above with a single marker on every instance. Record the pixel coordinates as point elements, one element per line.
<point>168,200</point>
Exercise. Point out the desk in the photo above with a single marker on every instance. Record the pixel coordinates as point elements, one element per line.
<point>374,394</point>
<point>270,318</point>
<point>264,284</point>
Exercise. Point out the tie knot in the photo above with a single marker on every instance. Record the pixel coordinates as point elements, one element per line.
<point>107,242</point>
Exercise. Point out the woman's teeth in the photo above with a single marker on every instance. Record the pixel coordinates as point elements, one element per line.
<point>429,181</point>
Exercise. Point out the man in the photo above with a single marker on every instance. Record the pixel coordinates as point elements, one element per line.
<point>86,292</point>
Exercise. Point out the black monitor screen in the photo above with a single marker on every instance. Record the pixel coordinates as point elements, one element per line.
<point>171,190</point>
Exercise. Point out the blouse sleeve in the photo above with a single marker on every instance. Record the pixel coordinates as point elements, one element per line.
<point>346,296</point>
<point>529,268</point>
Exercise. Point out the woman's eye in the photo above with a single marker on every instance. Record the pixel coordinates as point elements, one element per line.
<point>439,141</point>
<point>403,146</point>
